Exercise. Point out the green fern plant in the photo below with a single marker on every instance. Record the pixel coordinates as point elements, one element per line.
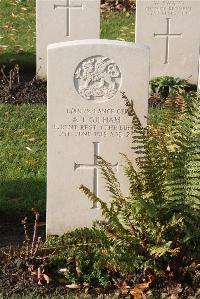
<point>159,220</point>
<point>166,85</point>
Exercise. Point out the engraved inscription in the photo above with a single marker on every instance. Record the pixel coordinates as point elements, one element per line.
<point>95,123</point>
<point>95,169</point>
<point>168,8</point>
<point>67,6</point>
<point>167,35</point>
<point>97,78</point>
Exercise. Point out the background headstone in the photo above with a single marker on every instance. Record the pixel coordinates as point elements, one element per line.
<point>63,20</point>
<point>172,30</point>
<point>87,118</point>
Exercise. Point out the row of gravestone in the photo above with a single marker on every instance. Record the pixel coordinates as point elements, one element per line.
<point>170,28</point>
<point>87,116</point>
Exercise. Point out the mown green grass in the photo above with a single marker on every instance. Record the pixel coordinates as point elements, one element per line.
<point>17,32</point>
<point>119,26</point>
<point>23,159</point>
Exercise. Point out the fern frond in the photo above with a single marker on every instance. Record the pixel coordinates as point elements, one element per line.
<point>135,184</point>
<point>112,184</point>
<point>138,132</point>
<point>106,211</point>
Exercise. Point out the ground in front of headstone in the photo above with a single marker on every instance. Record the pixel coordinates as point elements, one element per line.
<point>10,234</point>
<point>18,87</point>
<point>23,277</point>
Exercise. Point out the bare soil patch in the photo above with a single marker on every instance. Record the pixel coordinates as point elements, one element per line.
<point>22,88</point>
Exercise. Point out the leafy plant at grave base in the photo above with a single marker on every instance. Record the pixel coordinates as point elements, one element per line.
<point>157,226</point>
<point>81,258</point>
<point>166,85</point>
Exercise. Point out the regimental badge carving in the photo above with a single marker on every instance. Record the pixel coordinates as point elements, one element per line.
<point>97,78</point>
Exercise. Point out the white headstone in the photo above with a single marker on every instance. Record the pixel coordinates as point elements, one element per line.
<point>172,30</point>
<point>63,20</point>
<point>87,118</point>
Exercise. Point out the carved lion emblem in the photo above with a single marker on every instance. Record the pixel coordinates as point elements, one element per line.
<point>97,78</point>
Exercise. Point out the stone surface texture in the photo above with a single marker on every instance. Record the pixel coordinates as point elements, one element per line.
<point>172,30</point>
<point>63,20</point>
<point>87,118</point>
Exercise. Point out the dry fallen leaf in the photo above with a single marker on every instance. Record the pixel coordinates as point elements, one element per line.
<point>137,291</point>
<point>20,130</point>
<point>7,25</point>
<point>73,286</point>
<point>45,278</point>
<point>70,259</point>
<point>31,162</point>
<point>62,270</point>
<point>125,28</point>
<point>78,268</point>
<point>137,294</point>
<point>39,276</point>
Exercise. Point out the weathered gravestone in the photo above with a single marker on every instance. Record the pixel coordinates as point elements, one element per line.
<point>63,20</point>
<point>87,118</point>
<point>172,30</point>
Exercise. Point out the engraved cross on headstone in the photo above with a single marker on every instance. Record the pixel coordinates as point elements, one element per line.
<point>67,6</point>
<point>167,36</point>
<point>95,168</point>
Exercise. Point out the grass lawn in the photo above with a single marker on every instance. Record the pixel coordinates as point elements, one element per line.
<point>119,26</point>
<point>23,158</point>
<point>17,32</point>
<point>23,128</point>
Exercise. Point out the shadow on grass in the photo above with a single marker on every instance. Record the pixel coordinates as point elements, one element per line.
<point>26,60</point>
<point>19,197</point>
